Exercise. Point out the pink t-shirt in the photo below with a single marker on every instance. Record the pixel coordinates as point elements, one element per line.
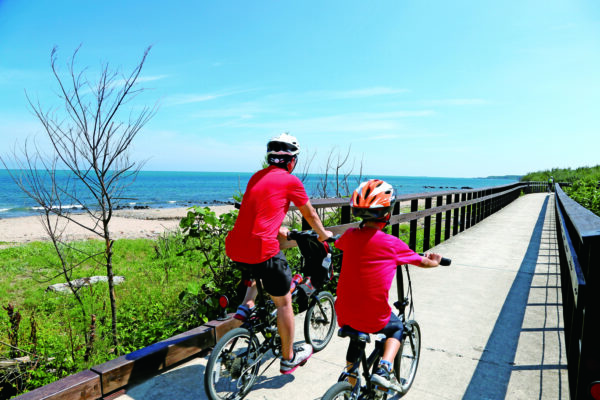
<point>266,201</point>
<point>368,269</point>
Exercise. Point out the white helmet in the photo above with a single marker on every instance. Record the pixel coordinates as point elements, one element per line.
<point>283,144</point>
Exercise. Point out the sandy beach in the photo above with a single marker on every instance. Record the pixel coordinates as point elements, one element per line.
<point>147,223</point>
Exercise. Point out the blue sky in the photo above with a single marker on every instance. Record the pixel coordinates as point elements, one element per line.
<point>435,88</point>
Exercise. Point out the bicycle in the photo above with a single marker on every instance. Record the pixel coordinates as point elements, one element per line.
<point>234,363</point>
<point>405,363</point>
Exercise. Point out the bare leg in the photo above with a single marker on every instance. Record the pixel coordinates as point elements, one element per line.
<point>285,324</point>
<point>250,296</point>
<point>390,349</point>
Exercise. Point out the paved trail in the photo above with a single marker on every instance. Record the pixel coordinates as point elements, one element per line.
<point>491,323</point>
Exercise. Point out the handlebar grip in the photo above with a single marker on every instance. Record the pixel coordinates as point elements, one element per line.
<point>332,238</point>
<point>444,261</point>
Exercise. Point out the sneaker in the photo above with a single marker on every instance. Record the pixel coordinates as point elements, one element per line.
<point>301,356</point>
<point>381,377</point>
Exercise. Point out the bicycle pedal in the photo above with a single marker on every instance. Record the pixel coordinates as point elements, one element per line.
<point>382,389</point>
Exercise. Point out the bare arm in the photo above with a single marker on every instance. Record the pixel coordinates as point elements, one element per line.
<point>311,216</point>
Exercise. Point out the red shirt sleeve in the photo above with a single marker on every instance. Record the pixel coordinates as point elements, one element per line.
<point>297,193</point>
<point>404,254</point>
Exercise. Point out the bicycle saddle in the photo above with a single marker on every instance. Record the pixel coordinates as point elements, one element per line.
<point>347,331</point>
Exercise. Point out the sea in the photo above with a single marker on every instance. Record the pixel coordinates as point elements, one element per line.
<point>165,189</point>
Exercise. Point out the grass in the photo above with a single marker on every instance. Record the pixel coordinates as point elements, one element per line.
<point>54,326</point>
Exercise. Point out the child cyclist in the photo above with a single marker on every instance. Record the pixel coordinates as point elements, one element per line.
<point>368,268</point>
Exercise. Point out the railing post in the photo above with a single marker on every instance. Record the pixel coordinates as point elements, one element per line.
<point>473,209</point>
<point>412,240</point>
<point>438,221</point>
<point>448,218</point>
<point>468,210</point>
<point>478,212</point>
<point>463,197</point>
<point>488,204</point>
<point>396,227</point>
<point>455,220</point>
<point>345,217</point>
<point>305,225</point>
<point>427,226</point>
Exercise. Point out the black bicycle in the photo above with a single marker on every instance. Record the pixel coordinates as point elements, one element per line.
<point>235,361</point>
<point>405,363</point>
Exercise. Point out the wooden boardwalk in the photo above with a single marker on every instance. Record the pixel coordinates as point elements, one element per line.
<point>491,323</point>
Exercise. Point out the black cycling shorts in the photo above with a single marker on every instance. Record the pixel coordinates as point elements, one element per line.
<point>274,273</point>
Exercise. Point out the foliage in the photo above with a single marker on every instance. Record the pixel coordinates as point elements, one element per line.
<point>205,233</point>
<point>564,174</point>
<point>585,183</point>
<point>587,193</point>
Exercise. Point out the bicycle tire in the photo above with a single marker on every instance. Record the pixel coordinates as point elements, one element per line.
<point>320,321</point>
<point>223,379</point>
<point>339,391</point>
<point>407,359</point>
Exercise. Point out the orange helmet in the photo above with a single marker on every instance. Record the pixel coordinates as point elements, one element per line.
<point>373,200</point>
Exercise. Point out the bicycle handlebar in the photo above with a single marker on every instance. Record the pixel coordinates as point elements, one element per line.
<point>444,261</point>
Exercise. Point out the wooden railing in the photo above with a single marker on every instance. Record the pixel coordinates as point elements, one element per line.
<point>452,213</point>
<point>578,236</point>
<point>439,215</point>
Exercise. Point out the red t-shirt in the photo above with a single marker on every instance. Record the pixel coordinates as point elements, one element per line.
<point>266,201</point>
<point>368,269</point>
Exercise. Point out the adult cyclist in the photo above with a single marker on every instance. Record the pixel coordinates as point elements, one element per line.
<point>253,242</point>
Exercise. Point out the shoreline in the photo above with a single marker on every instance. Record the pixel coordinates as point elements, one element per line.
<point>147,223</point>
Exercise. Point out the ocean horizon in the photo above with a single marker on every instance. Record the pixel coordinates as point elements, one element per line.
<point>168,189</point>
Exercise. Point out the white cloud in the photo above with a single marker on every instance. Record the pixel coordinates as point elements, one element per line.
<point>188,98</point>
<point>455,102</point>
<point>151,78</point>
<point>352,122</point>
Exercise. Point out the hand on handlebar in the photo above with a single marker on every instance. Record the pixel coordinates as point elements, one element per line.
<point>438,258</point>
<point>284,232</point>
<point>324,238</point>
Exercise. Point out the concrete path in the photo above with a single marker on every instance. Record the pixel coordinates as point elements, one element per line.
<point>491,323</point>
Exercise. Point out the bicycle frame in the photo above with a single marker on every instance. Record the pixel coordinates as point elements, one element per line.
<point>235,363</point>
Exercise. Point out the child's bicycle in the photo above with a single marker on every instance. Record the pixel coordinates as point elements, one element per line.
<point>235,361</point>
<point>405,363</point>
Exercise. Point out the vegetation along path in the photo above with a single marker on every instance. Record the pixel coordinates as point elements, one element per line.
<point>491,323</point>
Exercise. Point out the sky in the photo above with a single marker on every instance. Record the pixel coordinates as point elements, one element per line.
<point>408,88</point>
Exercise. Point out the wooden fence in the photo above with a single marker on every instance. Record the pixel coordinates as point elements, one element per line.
<point>439,215</point>
<point>578,235</point>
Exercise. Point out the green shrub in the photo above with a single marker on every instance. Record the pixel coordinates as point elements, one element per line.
<point>585,191</point>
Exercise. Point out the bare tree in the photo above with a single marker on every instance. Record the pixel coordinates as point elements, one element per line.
<point>337,165</point>
<point>89,138</point>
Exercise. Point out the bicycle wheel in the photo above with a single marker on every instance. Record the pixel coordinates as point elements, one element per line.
<point>339,391</point>
<point>407,359</point>
<point>229,372</point>
<point>320,320</point>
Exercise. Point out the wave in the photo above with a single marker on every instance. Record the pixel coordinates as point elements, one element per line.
<point>67,207</point>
